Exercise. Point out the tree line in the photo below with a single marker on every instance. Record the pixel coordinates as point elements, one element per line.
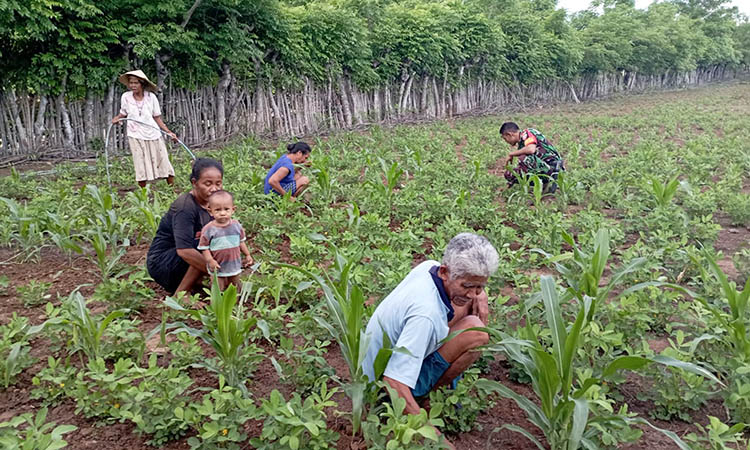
<point>297,66</point>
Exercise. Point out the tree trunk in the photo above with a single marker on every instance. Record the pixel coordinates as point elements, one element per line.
<point>40,118</point>
<point>23,143</point>
<point>88,118</point>
<point>161,75</point>
<point>344,99</point>
<point>221,90</point>
<point>62,109</point>
<point>276,112</point>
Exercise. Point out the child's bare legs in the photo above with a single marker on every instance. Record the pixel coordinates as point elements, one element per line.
<point>224,282</point>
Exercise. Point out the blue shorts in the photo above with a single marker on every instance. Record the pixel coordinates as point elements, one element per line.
<point>433,367</point>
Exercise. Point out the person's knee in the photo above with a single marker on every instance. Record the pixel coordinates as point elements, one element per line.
<point>473,338</point>
<point>303,181</point>
<point>481,337</point>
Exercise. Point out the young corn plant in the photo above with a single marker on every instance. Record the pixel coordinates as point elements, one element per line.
<point>565,414</point>
<point>87,330</point>
<point>145,212</point>
<point>391,175</point>
<point>734,319</point>
<point>582,271</point>
<point>26,233</point>
<point>326,183</point>
<point>60,231</point>
<point>104,215</point>
<point>662,193</point>
<point>226,332</point>
<point>345,302</point>
<point>104,259</point>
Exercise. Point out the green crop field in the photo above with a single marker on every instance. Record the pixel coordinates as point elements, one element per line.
<point>619,313</point>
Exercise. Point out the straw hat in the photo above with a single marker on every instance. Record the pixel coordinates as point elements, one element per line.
<point>138,74</point>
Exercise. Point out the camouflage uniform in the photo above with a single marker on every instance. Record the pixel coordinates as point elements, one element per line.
<point>542,162</point>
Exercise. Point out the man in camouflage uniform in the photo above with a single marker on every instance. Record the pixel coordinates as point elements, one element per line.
<point>535,154</point>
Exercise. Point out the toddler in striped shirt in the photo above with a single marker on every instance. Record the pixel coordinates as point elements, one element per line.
<point>222,241</point>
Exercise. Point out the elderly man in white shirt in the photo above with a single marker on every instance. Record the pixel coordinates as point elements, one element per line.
<point>434,300</point>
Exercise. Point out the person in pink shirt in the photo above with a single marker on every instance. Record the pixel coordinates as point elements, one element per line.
<point>150,156</point>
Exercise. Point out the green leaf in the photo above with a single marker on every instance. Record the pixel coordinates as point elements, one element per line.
<point>686,366</point>
<point>521,431</point>
<point>624,362</point>
<point>536,416</point>
<point>554,319</point>
<point>580,419</point>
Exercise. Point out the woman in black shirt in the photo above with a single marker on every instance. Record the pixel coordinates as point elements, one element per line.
<point>173,260</point>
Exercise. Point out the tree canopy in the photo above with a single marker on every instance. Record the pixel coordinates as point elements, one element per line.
<point>81,45</point>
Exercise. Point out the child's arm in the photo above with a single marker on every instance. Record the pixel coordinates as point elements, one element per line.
<point>245,251</point>
<point>210,261</point>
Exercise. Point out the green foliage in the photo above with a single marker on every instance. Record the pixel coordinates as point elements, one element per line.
<point>105,258</point>
<point>610,151</point>
<point>4,285</point>
<point>675,392</point>
<point>37,434</point>
<point>302,366</point>
<point>123,339</point>
<point>565,413</point>
<point>15,347</point>
<point>34,293</point>
<point>734,321</point>
<point>737,396</point>
<point>87,330</point>
<point>130,293</point>
<point>79,46</point>
<point>219,418</point>
<point>26,232</point>
<point>296,424</point>
<point>225,331</point>
<point>583,271</point>
<point>461,406</point>
<point>185,350</point>
<point>145,212</point>
<point>98,391</point>
<point>662,193</point>
<point>148,396</point>
<point>393,428</point>
<point>344,301</point>
<point>718,436</point>
<point>737,205</point>
<point>51,381</point>
<point>151,399</point>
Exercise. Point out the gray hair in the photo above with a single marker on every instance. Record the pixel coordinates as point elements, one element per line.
<point>470,254</point>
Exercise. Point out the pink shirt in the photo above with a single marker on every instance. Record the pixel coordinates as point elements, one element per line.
<point>143,111</point>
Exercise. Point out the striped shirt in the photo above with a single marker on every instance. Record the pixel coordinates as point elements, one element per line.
<point>224,244</point>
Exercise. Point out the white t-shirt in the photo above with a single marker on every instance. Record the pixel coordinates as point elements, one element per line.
<point>143,111</point>
<point>415,318</point>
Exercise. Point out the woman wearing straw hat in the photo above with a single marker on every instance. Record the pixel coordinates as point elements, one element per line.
<point>150,156</point>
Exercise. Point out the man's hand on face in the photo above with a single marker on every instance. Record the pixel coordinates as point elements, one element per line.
<point>480,307</point>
